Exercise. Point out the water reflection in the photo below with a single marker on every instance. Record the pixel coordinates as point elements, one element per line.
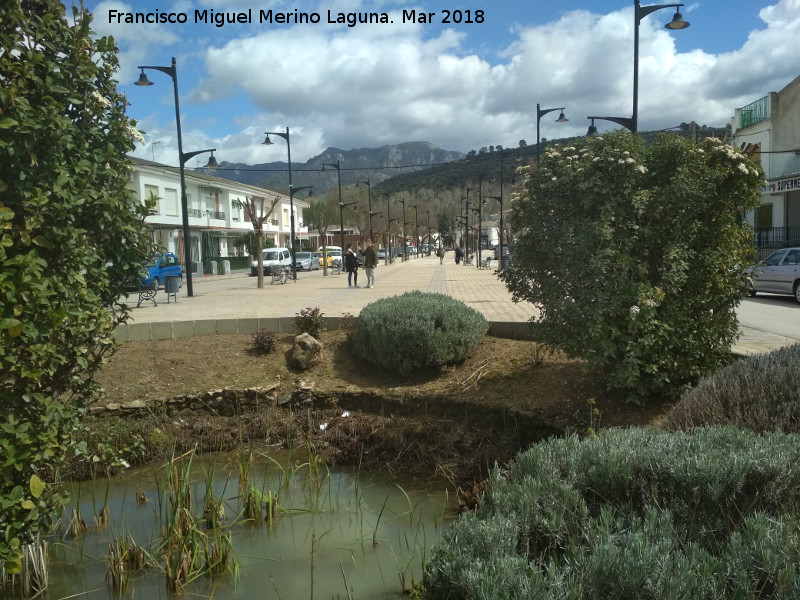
<point>370,536</point>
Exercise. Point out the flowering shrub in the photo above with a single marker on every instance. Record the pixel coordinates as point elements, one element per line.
<point>636,254</point>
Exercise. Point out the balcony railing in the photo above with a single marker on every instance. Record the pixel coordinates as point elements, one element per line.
<point>753,113</point>
<point>198,214</point>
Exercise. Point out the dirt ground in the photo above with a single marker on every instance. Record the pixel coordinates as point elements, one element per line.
<point>505,395</point>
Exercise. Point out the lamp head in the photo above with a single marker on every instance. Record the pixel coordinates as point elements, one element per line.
<point>677,22</point>
<point>143,80</point>
<point>212,163</point>
<point>267,141</point>
<point>561,118</point>
<point>592,130</point>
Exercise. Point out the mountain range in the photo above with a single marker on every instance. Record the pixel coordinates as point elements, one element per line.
<point>362,164</point>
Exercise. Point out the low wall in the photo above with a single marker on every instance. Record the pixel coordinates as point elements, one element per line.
<point>168,330</point>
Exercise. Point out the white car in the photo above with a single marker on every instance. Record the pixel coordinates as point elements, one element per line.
<point>779,273</point>
<point>272,257</point>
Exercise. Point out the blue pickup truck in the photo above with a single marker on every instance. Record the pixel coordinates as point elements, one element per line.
<point>160,266</point>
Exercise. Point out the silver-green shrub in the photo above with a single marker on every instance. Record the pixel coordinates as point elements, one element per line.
<point>635,513</point>
<point>759,392</point>
<point>417,330</point>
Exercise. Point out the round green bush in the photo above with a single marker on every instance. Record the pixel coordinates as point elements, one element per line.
<point>417,330</point>
<point>759,392</point>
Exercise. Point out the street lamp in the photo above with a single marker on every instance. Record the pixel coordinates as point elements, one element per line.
<point>639,13</point>
<point>389,256</point>
<point>292,191</point>
<point>341,222</point>
<point>430,241</point>
<point>268,142</point>
<point>416,229</point>
<point>368,183</point>
<point>466,224</point>
<point>337,166</point>
<point>540,112</point>
<point>172,71</point>
<point>503,154</point>
<point>403,202</point>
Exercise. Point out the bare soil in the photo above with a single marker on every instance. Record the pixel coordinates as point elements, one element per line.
<point>455,423</point>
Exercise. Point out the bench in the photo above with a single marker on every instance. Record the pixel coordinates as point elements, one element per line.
<point>145,293</point>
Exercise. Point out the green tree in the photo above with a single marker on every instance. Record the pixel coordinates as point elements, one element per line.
<point>320,215</point>
<point>258,211</point>
<point>71,234</point>
<point>636,254</point>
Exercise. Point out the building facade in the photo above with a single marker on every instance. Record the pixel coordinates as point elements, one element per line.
<point>216,211</point>
<point>768,130</point>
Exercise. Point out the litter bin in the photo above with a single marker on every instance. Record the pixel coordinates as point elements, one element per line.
<point>171,286</point>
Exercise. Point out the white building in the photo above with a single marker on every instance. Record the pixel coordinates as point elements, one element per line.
<point>769,131</point>
<point>216,213</point>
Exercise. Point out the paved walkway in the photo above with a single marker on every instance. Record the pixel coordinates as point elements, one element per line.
<point>233,303</point>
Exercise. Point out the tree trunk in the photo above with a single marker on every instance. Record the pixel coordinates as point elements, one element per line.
<point>260,244</point>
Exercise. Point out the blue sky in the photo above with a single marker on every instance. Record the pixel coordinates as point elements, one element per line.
<point>460,86</point>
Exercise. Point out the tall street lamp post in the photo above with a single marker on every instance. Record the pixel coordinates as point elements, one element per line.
<point>292,191</point>
<point>338,168</point>
<point>341,222</point>
<point>403,202</point>
<point>430,242</point>
<point>172,71</point>
<point>368,183</point>
<point>466,224</point>
<point>639,13</point>
<point>540,112</point>
<point>389,256</point>
<point>416,229</point>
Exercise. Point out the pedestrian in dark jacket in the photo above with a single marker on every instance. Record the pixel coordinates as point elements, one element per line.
<point>370,262</point>
<point>351,266</point>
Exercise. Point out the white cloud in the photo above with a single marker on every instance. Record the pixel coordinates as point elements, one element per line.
<point>386,84</point>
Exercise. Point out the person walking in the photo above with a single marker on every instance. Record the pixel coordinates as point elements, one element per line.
<point>440,252</point>
<point>370,262</point>
<point>458,254</point>
<point>351,266</point>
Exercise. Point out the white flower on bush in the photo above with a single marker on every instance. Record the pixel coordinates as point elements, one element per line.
<point>102,100</point>
<point>635,311</point>
<point>641,169</point>
<point>134,133</point>
<point>743,168</point>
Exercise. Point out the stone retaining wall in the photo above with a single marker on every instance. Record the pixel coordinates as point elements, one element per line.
<point>227,402</point>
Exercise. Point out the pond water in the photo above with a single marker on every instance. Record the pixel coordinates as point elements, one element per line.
<point>335,534</point>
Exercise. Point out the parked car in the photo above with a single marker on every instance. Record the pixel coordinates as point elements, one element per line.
<point>382,253</point>
<point>779,273</point>
<point>158,268</point>
<point>497,252</point>
<point>336,256</point>
<point>272,257</point>
<point>397,251</point>
<point>320,259</point>
<point>306,261</point>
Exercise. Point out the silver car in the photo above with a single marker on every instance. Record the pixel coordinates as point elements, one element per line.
<point>306,261</point>
<point>779,273</point>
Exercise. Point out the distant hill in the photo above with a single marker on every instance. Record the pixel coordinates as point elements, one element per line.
<point>378,164</point>
<point>465,171</point>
